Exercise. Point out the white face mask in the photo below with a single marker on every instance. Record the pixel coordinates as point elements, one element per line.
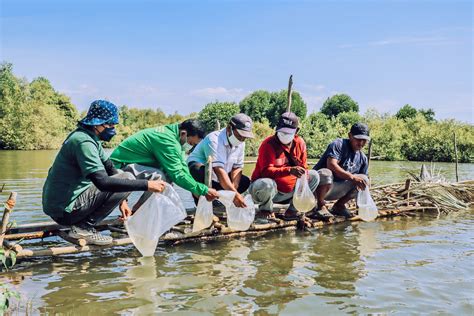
<point>285,138</point>
<point>234,142</point>
<point>186,147</point>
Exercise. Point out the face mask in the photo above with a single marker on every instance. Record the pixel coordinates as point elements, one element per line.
<point>107,134</point>
<point>234,142</point>
<point>285,138</point>
<point>186,147</point>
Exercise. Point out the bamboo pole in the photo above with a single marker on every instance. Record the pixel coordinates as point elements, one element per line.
<point>64,235</point>
<point>55,251</point>
<point>53,226</point>
<point>369,153</point>
<point>208,173</point>
<point>213,234</point>
<point>13,246</point>
<point>290,92</point>
<point>456,156</point>
<point>9,205</point>
<point>407,189</point>
<point>32,235</point>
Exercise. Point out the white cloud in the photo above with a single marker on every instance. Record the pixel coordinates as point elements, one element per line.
<point>416,40</point>
<point>219,93</point>
<point>411,40</point>
<point>313,87</point>
<point>82,89</point>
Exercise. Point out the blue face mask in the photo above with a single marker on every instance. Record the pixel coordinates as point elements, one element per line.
<point>107,134</point>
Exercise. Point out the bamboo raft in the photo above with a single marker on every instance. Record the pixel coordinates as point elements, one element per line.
<point>399,199</point>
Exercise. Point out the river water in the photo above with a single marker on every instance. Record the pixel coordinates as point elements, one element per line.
<point>400,266</point>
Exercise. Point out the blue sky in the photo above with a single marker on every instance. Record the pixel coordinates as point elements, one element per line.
<point>180,55</point>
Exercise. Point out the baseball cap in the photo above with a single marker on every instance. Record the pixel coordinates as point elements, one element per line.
<point>288,123</point>
<point>360,131</point>
<point>243,124</point>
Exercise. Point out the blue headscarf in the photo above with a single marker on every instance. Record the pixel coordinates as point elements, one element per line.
<point>101,112</point>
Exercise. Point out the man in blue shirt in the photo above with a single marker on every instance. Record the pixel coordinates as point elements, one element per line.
<point>343,170</point>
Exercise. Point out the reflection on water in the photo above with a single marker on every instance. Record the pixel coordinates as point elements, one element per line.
<point>405,265</point>
<point>401,265</point>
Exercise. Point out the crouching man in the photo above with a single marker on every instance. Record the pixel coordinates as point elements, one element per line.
<point>161,151</point>
<point>83,187</point>
<point>281,161</point>
<point>227,150</point>
<point>343,170</point>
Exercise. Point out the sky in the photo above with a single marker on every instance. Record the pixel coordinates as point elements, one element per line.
<point>180,55</point>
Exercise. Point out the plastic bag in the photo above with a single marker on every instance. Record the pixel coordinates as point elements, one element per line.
<point>367,209</point>
<point>154,217</point>
<point>238,218</point>
<point>203,217</point>
<point>303,198</point>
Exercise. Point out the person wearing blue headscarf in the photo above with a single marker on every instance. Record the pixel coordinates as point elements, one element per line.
<point>83,187</point>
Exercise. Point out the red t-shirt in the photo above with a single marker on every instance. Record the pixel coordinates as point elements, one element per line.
<point>273,163</point>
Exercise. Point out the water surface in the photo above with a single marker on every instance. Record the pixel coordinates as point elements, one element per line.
<point>401,266</point>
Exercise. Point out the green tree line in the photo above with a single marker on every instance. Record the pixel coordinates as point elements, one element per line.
<point>35,116</point>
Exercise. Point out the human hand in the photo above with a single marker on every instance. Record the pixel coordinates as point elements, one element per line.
<point>211,195</point>
<point>156,186</point>
<point>297,171</point>
<point>125,210</point>
<point>359,182</point>
<point>239,200</point>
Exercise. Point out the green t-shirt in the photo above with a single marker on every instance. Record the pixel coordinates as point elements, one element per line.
<point>80,155</point>
<point>159,147</point>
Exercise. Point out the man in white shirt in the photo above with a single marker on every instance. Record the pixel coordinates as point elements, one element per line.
<point>227,149</point>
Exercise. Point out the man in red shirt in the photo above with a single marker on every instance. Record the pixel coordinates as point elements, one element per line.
<point>281,161</point>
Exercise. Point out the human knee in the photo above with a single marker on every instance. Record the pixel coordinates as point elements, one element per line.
<point>325,176</point>
<point>262,190</point>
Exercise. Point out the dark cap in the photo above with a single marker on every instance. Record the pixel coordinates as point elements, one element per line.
<point>360,131</point>
<point>287,123</point>
<point>243,124</point>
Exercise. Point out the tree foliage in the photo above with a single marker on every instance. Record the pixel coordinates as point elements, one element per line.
<point>409,112</point>
<point>217,112</point>
<point>338,104</point>
<point>262,105</point>
<point>32,115</point>
<point>35,116</point>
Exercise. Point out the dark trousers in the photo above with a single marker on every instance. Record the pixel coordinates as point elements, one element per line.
<point>197,170</point>
<point>92,206</point>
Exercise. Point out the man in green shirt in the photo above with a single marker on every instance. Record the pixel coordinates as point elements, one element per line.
<point>161,149</point>
<point>83,187</point>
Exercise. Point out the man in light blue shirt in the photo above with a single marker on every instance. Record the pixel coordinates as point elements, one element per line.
<point>227,150</point>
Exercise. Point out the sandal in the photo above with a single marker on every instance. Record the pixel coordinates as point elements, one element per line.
<point>320,214</point>
<point>342,212</point>
<point>264,217</point>
<point>291,215</point>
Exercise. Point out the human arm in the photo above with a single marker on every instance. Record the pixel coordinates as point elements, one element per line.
<point>110,168</point>
<point>235,176</point>
<point>332,164</point>
<point>171,160</point>
<point>272,166</point>
<point>227,184</point>
<point>106,183</point>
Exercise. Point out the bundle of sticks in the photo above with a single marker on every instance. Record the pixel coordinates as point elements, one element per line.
<point>445,197</point>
